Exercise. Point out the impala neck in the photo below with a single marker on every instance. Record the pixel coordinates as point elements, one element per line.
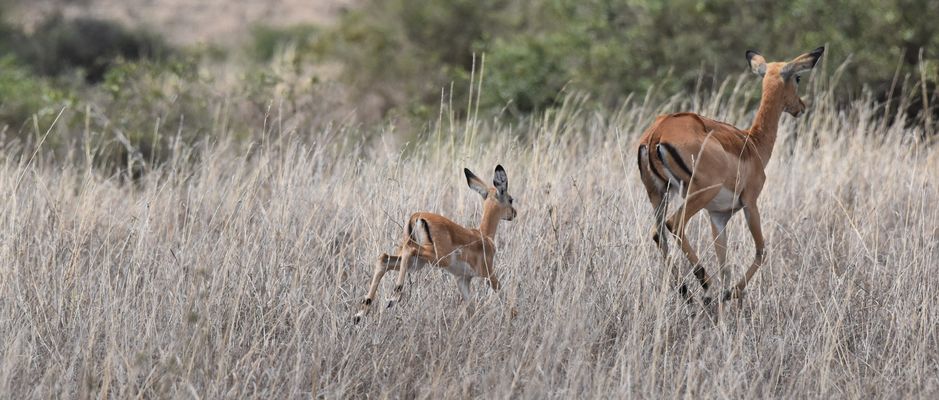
<point>766,122</point>
<point>490,220</point>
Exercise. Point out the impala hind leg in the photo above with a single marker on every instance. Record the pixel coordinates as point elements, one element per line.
<point>407,260</point>
<point>695,201</point>
<point>659,200</point>
<point>660,237</point>
<point>382,265</point>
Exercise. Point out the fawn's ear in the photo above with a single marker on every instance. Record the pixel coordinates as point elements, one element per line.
<point>757,62</point>
<point>802,63</point>
<point>475,183</point>
<point>500,180</point>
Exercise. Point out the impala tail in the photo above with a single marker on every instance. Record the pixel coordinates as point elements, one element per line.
<point>419,232</point>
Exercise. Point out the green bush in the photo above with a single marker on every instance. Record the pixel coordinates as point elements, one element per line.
<point>267,41</point>
<point>24,95</point>
<point>88,45</point>
<point>405,51</point>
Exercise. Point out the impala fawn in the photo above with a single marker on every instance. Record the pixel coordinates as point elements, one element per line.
<point>431,239</point>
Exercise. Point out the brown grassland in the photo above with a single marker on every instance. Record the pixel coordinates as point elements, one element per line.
<point>233,271</point>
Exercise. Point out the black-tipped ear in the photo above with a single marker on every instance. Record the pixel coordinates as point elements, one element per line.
<point>802,63</point>
<point>475,183</point>
<point>816,54</point>
<point>756,62</point>
<point>500,180</point>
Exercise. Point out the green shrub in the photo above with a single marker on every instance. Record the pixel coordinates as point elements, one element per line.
<point>87,45</point>
<point>24,95</point>
<point>405,51</point>
<point>266,40</point>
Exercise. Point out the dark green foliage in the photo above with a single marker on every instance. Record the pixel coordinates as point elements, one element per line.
<point>23,95</point>
<point>403,52</point>
<point>266,41</point>
<point>88,45</point>
<point>407,50</point>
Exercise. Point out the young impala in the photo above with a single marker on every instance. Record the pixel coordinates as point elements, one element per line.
<point>718,167</point>
<point>430,239</point>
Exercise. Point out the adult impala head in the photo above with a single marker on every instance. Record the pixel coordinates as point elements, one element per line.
<point>781,79</point>
<point>430,239</point>
<point>718,167</point>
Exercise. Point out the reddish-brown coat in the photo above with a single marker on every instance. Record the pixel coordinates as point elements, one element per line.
<point>717,166</point>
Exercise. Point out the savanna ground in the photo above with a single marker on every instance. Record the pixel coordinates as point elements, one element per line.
<point>232,271</point>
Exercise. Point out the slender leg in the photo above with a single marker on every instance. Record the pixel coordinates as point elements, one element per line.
<point>407,259</point>
<point>494,281</point>
<point>752,214</point>
<point>463,284</point>
<point>719,221</point>
<point>660,237</point>
<point>696,201</point>
<point>382,265</point>
<point>658,192</point>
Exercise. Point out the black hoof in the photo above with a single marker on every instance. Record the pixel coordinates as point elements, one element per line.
<point>683,291</point>
<point>356,319</point>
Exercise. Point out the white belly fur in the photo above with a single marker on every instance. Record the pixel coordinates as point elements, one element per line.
<point>459,267</point>
<point>724,201</point>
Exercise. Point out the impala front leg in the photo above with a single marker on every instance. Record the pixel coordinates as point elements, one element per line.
<point>719,221</point>
<point>494,282</point>
<point>753,222</point>
<point>463,284</point>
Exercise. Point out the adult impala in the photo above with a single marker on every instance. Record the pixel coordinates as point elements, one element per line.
<point>717,167</point>
<point>431,239</point>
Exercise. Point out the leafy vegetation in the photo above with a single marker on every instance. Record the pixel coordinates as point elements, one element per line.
<point>611,48</point>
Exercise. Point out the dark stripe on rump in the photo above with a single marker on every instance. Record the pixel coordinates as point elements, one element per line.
<point>639,157</point>
<point>650,166</point>
<point>427,229</point>
<point>674,154</point>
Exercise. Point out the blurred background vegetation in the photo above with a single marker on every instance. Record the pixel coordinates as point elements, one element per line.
<point>120,93</point>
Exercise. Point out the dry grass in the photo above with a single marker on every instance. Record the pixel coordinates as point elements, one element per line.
<point>236,275</point>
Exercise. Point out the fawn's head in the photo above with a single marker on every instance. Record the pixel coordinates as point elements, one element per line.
<point>496,197</point>
<point>782,78</point>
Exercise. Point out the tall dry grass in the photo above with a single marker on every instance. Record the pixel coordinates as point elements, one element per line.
<point>235,274</point>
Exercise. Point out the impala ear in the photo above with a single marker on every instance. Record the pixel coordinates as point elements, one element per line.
<point>475,183</point>
<point>802,63</point>
<point>500,180</point>
<point>756,62</point>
